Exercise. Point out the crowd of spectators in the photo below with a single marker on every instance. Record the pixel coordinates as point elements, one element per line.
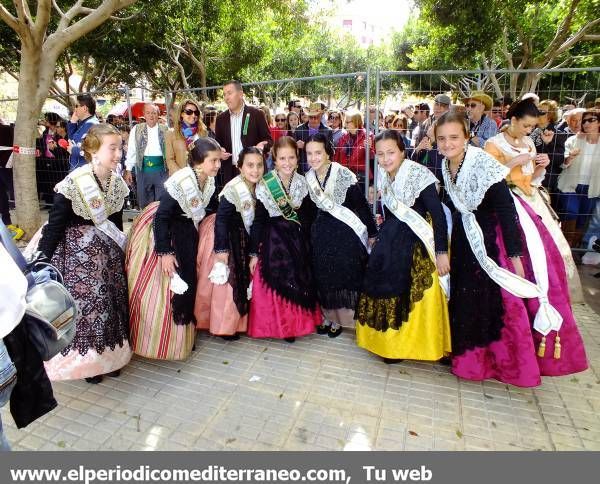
<point>59,139</point>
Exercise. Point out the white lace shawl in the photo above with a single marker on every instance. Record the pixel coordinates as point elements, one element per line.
<point>477,174</point>
<point>298,190</point>
<point>338,186</point>
<point>174,188</point>
<point>114,198</point>
<point>231,194</point>
<point>411,179</point>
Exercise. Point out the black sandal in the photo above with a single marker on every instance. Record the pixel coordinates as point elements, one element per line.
<point>334,333</point>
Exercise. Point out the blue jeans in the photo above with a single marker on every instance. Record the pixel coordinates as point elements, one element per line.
<point>576,206</point>
<point>8,375</point>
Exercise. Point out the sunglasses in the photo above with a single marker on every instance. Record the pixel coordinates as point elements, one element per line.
<point>331,118</point>
<point>280,120</point>
<point>589,120</point>
<point>189,112</point>
<point>472,105</point>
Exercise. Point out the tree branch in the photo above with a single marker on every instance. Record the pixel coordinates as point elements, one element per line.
<point>562,31</point>
<point>9,18</point>
<point>59,40</point>
<point>591,37</point>
<point>42,18</point>
<point>57,8</point>
<point>88,10</point>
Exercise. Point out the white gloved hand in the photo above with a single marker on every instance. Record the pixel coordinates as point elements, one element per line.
<point>249,292</point>
<point>178,285</point>
<point>219,274</point>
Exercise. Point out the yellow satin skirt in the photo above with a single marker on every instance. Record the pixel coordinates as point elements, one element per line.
<point>425,335</point>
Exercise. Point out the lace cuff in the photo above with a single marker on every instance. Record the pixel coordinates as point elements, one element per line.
<point>221,251</point>
<point>441,252</point>
<point>171,252</point>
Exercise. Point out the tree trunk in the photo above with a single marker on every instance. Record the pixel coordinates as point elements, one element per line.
<point>28,108</point>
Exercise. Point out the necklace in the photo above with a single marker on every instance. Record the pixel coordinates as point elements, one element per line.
<point>199,180</point>
<point>104,185</point>
<point>322,178</point>
<point>286,189</point>
<point>250,186</point>
<point>454,176</point>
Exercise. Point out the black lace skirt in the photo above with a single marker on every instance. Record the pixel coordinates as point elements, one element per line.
<point>476,308</point>
<point>339,259</point>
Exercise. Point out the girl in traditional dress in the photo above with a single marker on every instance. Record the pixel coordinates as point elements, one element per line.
<point>402,311</point>
<point>509,307</point>
<point>223,275</point>
<point>161,258</point>
<point>342,231</point>
<point>284,303</point>
<point>516,150</point>
<point>84,240</point>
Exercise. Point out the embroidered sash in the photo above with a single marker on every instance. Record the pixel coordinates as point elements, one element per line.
<point>324,199</point>
<point>94,201</point>
<point>418,225</point>
<point>547,317</point>
<point>238,193</point>
<point>279,196</point>
<point>183,187</point>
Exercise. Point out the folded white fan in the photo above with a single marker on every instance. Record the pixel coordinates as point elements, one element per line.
<point>178,285</point>
<point>249,292</point>
<point>219,274</point>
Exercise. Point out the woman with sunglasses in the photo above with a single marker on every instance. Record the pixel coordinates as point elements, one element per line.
<point>281,127</point>
<point>336,122</point>
<point>579,181</point>
<point>188,126</point>
<point>514,148</point>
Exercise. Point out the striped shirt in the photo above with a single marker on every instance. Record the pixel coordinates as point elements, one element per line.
<point>236,134</point>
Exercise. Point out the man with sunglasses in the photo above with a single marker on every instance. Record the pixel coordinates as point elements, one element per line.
<point>482,127</point>
<point>146,154</point>
<point>82,119</point>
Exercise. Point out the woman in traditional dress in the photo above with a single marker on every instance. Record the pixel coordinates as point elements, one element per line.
<point>509,293</point>
<point>340,235</point>
<point>284,303</point>
<point>84,240</point>
<point>516,150</point>
<point>223,254</point>
<point>161,258</point>
<point>402,311</point>
<point>187,126</point>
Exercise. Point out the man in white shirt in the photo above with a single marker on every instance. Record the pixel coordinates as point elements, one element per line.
<point>146,154</point>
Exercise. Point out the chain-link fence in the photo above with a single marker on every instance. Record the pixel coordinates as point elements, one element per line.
<point>382,99</point>
<point>557,92</point>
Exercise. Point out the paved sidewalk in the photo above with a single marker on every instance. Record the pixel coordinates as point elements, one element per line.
<point>317,393</point>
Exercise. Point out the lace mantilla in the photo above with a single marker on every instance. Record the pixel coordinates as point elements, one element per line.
<point>409,182</point>
<point>298,190</point>
<point>338,185</point>
<point>173,186</point>
<point>478,173</point>
<point>114,197</point>
<point>231,195</point>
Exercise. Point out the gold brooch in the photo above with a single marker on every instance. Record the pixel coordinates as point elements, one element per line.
<point>282,202</point>
<point>96,203</point>
<point>246,205</point>
<point>194,202</point>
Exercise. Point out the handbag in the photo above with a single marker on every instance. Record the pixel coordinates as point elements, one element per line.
<point>51,311</point>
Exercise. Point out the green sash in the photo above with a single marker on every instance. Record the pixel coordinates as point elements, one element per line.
<point>281,199</point>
